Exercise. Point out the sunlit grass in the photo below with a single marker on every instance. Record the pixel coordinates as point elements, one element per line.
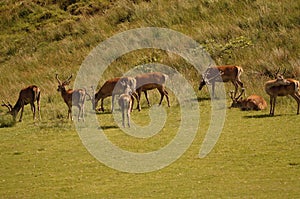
<point>256,156</point>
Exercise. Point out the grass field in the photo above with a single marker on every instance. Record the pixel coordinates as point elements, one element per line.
<point>256,156</point>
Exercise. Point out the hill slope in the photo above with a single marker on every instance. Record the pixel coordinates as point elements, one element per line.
<point>42,37</point>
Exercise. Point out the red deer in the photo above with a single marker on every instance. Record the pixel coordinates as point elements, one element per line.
<point>26,96</point>
<point>222,74</point>
<point>72,97</point>
<point>149,81</point>
<point>125,103</point>
<point>111,88</point>
<point>282,87</point>
<point>253,102</point>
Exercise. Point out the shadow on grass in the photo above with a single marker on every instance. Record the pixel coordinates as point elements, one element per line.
<point>266,115</point>
<point>108,127</point>
<point>199,99</point>
<point>103,113</point>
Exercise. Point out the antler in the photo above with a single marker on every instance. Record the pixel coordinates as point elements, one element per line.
<point>284,72</point>
<point>231,95</point>
<point>93,89</point>
<point>277,73</point>
<point>8,105</point>
<point>56,76</point>
<point>243,90</point>
<point>68,80</point>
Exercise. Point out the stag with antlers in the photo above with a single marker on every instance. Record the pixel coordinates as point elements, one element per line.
<point>26,96</point>
<point>282,87</point>
<point>222,74</point>
<point>72,97</point>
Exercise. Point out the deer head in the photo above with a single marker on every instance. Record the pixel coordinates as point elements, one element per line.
<point>236,101</point>
<point>10,109</point>
<point>61,85</point>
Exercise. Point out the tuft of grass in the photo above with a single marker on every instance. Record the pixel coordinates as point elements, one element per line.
<point>6,121</point>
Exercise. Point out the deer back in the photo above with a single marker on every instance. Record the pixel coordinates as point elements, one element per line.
<point>150,80</point>
<point>107,88</point>
<point>281,87</point>
<point>221,74</point>
<point>254,102</point>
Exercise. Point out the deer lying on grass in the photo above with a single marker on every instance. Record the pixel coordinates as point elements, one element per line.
<point>282,87</point>
<point>126,103</point>
<point>222,74</point>
<point>27,96</point>
<point>253,102</point>
<point>149,81</point>
<point>111,88</point>
<point>72,97</point>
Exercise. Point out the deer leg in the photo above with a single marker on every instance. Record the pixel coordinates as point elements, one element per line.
<point>33,110</point>
<point>82,112</point>
<point>128,116</point>
<point>297,98</point>
<point>38,104</point>
<point>123,117</point>
<point>146,95</point>
<point>138,100</point>
<point>79,113</point>
<point>39,109</point>
<point>272,102</point>
<point>22,109</point>
<point>236,86</point>
<point>213,89</point>
<point>132,102</point>
<point>70,113</point>
<point>240,83</point>
<point>161,95</point>
<point>167,97</point>
<point>102,107</point>
<point>112,103</point>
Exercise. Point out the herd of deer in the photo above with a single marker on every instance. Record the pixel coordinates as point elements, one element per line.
<point>129,88</point>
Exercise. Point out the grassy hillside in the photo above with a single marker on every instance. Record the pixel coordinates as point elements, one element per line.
<point>256,156</point>
<point>43,37</point>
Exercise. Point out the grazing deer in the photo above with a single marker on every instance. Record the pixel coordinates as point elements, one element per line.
<point>149,81</point>
<point>253,102</point>
<point>111,88</point>
<point>126,103</point>
<point>282,87</point>
<point>72,97</point>
<point>222,74</point>
<point>26,96</point>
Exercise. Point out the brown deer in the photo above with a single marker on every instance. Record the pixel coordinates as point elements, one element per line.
<point>125,102</point>
<point>72,97</point>
<point>26,96</point>
<point>282,87</point>
<point>112,87</point>
<point>253,102</point>
<point>149,81</point>
<point>222,74</point>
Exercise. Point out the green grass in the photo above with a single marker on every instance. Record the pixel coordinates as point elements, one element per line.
<point>255,156</point>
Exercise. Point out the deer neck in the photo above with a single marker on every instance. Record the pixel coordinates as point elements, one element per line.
<point>17,106</point>
<point>63,92</point>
